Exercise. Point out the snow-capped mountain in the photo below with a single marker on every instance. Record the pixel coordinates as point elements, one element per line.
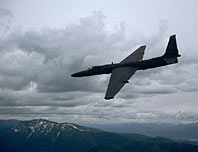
<point>45,136</point>
<point>45,127</point>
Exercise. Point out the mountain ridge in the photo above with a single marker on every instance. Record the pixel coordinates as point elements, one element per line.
<point>173,131</point>
<point>44,135</point>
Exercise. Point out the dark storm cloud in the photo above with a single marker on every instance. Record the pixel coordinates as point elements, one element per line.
<point>49,57</point>
<point>99,114</point>
<point>31,98</point>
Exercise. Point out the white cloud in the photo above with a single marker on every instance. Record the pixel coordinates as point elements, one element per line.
<point>36,66</point>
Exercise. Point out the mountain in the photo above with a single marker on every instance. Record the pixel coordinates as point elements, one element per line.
<point>45,136</point>
<point>174,131</point>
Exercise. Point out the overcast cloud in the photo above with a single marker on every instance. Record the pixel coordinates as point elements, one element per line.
<point>36,64</point>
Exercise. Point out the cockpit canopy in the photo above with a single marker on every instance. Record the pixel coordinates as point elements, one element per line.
<point>92,67</point>
<point>89,68</point>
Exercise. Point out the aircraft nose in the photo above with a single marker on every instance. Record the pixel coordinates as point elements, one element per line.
<point>74,75</point>
<point>78,74</point>
<point>81,74</point>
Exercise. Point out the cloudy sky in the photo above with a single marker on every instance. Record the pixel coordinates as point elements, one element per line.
<point>43,42</point>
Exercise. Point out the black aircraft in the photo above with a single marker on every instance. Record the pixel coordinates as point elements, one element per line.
<point>123,71</point>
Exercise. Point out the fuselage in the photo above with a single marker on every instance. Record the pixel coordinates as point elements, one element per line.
<point>140,65</point>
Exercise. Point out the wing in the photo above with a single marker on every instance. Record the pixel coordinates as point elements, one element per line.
<point>137,55</point>
<point>119,78</point>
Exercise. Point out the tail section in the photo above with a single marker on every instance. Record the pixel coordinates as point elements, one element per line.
<point>171,54</point>
<point>171,50</point>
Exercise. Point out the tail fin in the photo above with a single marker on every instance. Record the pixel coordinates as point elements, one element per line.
<point>171,50</point>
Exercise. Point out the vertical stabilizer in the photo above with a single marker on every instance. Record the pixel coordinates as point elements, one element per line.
<point>171,50</point>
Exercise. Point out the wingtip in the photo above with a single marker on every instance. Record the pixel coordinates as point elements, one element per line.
<point>108,98</point>
<point>143,46</point>
<point>174,35</point>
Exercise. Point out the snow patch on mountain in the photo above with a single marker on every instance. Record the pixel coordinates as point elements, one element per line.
<point>76,127</point>
<point>45,127</point>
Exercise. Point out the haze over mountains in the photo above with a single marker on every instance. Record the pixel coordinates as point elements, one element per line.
<point>43,135</point>
<point>176,131</point>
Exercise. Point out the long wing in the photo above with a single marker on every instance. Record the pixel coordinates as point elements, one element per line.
<point>137,55</point>
<point>119,78</point>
